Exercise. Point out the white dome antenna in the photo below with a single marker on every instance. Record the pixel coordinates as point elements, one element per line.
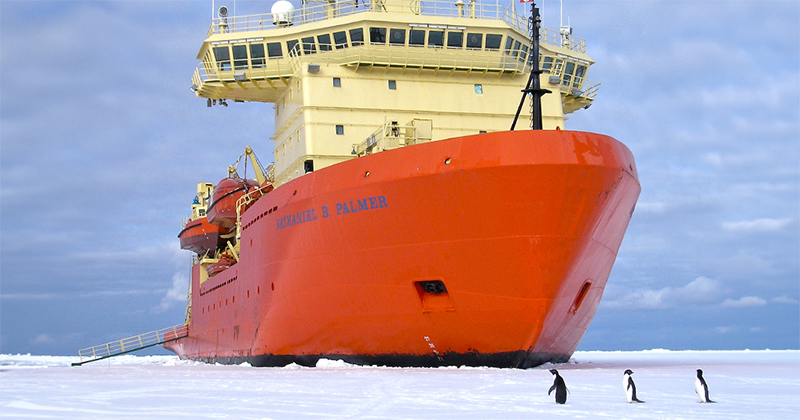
<point>282,13</point>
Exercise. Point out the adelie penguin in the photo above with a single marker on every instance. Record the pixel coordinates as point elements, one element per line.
<point>630,387</point>
<point>701,387</point>
<point>560,387</point>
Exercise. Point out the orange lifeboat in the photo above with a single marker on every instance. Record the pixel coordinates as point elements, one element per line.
<point>225,261</point>
<point>202,237</point>
<point>222,211</point>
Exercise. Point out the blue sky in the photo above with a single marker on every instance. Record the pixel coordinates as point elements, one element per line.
<point>102,143</point>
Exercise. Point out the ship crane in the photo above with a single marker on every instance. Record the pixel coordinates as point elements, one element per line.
<point>258,168</point>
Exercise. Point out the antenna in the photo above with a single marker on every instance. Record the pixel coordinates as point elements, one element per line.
<point>533,87</point>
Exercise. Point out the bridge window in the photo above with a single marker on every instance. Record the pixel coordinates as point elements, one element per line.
<point>240,57</point>
<point>340,39</point>
<point>339,130</point>
<point>416,37</point>
<point>293,47</point>
<point>435,39</point>
<point>357,37</point>
<point>580,72</point>
<point>223,56</point>
<point>475,41</point>
<point>493,41</point>
<point>569,68</point>
<point>455,40</point>
<point>397,36</point>
<point>392,85</point>
<point>274,50</point>
<point>551,65</point>
<point>309,47</point>
<point>547,64</point>
<point>377,35</point>
<point>524,53</point>
<point>337,82</point>
<point>515,52</point>
<point>324,42</point>
<point>257,55</point>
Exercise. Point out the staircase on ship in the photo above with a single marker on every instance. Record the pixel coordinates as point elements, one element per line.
<point>131,344</point>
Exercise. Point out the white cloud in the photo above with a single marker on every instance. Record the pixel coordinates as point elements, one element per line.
<point>651,207</point>
<point>42,340</point>
<point>785,300</point>
<point>745,302</point>
<point>177,293</point>
<point>702,289</point>
<point>759,225</point>
<point>724,330</point>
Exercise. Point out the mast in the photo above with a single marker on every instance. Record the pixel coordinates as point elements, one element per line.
<point>533,87</point>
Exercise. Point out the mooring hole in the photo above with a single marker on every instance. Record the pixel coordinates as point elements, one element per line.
<point>579,298</point>
<point>433,286</point>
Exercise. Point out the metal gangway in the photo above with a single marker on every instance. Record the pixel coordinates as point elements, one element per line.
<point>131,344</point>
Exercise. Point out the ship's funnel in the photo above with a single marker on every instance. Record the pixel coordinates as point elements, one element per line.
<point>282,13</point>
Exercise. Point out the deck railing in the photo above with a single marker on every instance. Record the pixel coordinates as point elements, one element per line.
<point>130,344</point>
<point>316,12</point>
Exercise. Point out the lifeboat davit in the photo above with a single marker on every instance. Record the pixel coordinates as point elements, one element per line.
<point>225,261</point>
<point>202,237</point>
<point>222,211</point>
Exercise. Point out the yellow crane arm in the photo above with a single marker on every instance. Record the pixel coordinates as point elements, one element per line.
<point>260,177</point>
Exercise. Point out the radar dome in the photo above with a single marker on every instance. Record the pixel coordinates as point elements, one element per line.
<point>282,13</point>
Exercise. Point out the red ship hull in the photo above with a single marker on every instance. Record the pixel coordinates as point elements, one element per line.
<point>488,250</point>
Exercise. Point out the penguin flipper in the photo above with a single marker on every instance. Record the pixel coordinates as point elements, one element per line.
<point>552,388</point>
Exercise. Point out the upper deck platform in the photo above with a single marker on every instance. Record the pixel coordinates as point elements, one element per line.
<point>321,10</point>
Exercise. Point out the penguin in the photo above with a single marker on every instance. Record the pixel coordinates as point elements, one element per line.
<point>701,387</point>
<point>630,387</point>
<point>560,387</point>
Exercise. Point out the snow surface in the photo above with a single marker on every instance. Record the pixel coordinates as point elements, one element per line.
<point>745,384</point>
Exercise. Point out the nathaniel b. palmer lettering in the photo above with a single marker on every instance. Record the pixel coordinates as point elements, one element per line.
<point>346,207</point>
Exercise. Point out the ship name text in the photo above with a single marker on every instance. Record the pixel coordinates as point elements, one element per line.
<point>346,207</point>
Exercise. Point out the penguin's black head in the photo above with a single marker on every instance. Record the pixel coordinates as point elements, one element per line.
<point>629,372</point>
<point>554,372</point>
<point>699,372</point>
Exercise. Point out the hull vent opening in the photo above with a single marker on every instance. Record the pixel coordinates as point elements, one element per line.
<point>433,286</point>
<point>576,304</point>
<point>433,296</point>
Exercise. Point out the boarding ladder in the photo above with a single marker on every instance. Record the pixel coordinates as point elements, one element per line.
<point>131,344</point>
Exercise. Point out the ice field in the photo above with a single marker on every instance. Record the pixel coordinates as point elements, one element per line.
<point>745,384</point>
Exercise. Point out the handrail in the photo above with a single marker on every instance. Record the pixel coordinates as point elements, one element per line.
<point>469,10</point>
<point>311,13</point>
<point>388,136</point>
<point>369,54</point>
<point>131,344</point>
<point>247,199</point>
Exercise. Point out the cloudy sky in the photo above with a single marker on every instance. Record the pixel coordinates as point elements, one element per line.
<point>102,143</point>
